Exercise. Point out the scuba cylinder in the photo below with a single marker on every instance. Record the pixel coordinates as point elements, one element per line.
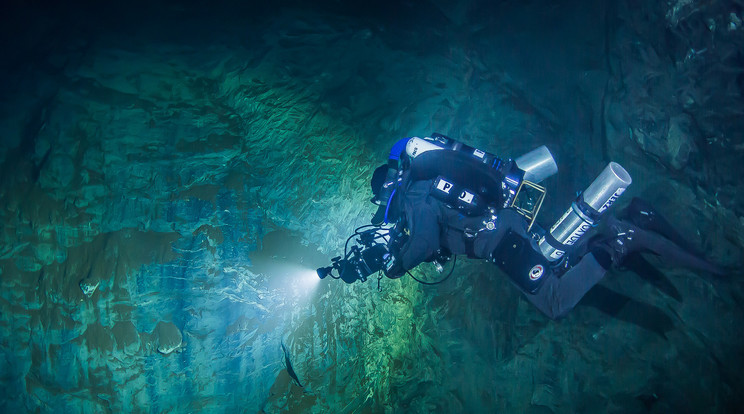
<point>496,181</point>
<point>417,146</point>
<point>585,212</point>
<point>537,164</point>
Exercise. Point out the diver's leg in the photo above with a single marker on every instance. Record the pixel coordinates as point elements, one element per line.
<point>643,215</point>
<point>630,238</point>
<point>558,295</point>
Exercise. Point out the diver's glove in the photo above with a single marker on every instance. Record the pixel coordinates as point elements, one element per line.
<point>393,268</point>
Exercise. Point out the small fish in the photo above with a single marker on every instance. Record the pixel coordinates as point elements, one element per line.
<point>290,370</point>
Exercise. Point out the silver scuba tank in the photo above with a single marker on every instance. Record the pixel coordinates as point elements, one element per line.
<point>585,211</point>
<point>537,164</point>
<point>417,146</point>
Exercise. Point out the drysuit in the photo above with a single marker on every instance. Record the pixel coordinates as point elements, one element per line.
<point>428,226</point>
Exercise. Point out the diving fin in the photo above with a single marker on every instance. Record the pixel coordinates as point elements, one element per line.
<point>638,264</point>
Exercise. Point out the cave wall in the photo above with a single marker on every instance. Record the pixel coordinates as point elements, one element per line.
<point>171,173</point>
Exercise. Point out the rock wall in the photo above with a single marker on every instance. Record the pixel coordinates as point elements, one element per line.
<point>173,175</point>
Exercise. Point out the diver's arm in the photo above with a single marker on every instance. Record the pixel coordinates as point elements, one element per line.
<point>422,226</point>
<point>422,245</point>
<point>391,178</point>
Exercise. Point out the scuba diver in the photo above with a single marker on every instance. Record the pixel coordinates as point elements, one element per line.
<point>438,197</point>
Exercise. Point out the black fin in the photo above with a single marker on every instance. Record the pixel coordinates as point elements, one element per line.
<point>636,263</point>
<point>648,400</point>
<point>626,309</point>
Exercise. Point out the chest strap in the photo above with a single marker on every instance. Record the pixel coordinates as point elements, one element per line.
<point>457,197</point>
<point>469,240</point>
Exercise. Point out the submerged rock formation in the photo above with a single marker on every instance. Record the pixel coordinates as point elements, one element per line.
<point>172,176</point>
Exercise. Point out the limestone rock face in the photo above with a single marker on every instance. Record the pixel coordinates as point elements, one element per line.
<point>127,338</point>
<point>672,140</point>
<point>167,337</point>
<point>89,286</point>
<point>679,142</point>
<point>172,175</point>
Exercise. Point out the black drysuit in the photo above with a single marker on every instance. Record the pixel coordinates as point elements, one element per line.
<point>432,225</point>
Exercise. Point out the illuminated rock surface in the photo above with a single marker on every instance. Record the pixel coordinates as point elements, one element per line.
<point>172,176</point>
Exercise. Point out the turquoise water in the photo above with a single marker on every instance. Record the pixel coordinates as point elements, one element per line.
<point>173,174</point>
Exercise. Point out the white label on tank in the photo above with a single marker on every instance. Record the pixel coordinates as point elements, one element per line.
<point>478,153</point>
<point>466,197</point>
<point>444,186</point>
<point>560,220</point>
<point>577,233</point>
<point>557,254</point>
<point>417,146</point>
<point>611,200</point>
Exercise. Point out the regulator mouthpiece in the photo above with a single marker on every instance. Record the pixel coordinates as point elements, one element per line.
<point>585,211</point>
